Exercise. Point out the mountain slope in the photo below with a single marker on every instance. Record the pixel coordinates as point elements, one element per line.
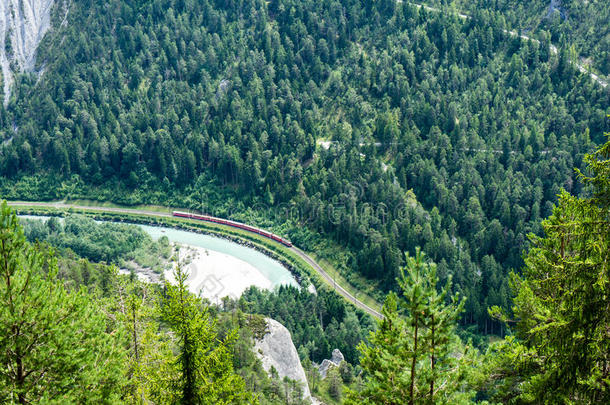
<point>23,24</point>
<point>580,24</point>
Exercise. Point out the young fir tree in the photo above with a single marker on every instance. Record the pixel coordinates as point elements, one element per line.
<point>333,379</point>
<point>205,362</point>
<point>415,356</point>
<point>55,344</point>
<point>561,349</point>
<point>151,359</point>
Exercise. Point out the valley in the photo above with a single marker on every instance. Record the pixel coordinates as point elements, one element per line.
<point>372,202</point>
<point>191,239</point>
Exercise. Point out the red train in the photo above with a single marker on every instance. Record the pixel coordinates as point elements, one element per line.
<point>234,224</point>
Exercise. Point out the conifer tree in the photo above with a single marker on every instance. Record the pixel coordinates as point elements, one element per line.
<point>561,349</point>
<point>152,365</point>
<point>55,345</point>
<point>415,356</point>
<point>334,383</point>
<point>205,362</point>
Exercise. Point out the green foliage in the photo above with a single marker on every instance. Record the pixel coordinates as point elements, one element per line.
<point>219,107</point>
<point>581,26</point>
<point>58,346</point>
<point>270,389</point>
<point>335,386</point>
<point>346,371</point>
<point>415,356</point>
<point>318,323</point>
<point>205,363</point>
<point>561,345</point>
<point>167,344</point>
<point>101,242</point>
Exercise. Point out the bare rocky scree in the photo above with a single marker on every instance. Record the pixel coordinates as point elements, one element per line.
<point>23,24</point>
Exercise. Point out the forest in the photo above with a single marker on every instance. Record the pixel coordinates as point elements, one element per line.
<point>581,26</point>
<point>112,243</point>
<point>106,338</point>
<point>361,130</point>
<point>318,322</point>
<point>76,331</point>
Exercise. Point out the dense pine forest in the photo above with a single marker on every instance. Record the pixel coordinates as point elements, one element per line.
<point>379,125</point>
<point>581,26</point>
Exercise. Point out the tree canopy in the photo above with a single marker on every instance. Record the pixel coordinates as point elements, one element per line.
<point>415,356</point>
<point>561,345</point>
<point>378,126</point>
<point>57,345</point>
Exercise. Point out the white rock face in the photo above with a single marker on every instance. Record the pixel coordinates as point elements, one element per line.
<point>23,23</point>
<point>335,361</point>
<point>337,357</point>
<point>276,349</point>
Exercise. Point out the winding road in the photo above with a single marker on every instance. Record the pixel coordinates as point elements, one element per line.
<point>581,67</point>
<point>312,263</point>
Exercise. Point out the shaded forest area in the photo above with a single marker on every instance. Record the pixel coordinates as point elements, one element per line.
<point>77,332</point>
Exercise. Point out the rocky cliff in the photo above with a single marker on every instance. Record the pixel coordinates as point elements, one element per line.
<point>335,361</point>
<point>23,23</point>
<point>276,350</point>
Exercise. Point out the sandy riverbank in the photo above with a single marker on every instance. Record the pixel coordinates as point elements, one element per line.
<point>215,275</point>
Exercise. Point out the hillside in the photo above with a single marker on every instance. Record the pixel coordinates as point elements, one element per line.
<point>442,133</point>
<point>582,25</point>
<point>23,24</point>
<point>102,335</point>
<point>75,331</point>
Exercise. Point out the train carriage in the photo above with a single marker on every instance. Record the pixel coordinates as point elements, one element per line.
<point>233,224</point>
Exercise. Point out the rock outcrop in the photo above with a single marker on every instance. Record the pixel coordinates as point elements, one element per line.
<point>23,23</point>
<point>335,361</point>
<point>276,350</point>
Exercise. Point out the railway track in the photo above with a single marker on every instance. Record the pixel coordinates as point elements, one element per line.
<point>338,288</point>
<point>311,262</point>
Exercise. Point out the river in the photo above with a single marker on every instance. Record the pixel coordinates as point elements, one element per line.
<point>218,267</point>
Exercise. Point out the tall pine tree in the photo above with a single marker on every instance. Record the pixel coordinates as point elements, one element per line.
<point>415,356</point>
<point>205,362</point>
<point>561,349</point>
<point>55,345</point>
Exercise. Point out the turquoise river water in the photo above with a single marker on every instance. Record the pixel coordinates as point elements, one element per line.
<point>274,271</point>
